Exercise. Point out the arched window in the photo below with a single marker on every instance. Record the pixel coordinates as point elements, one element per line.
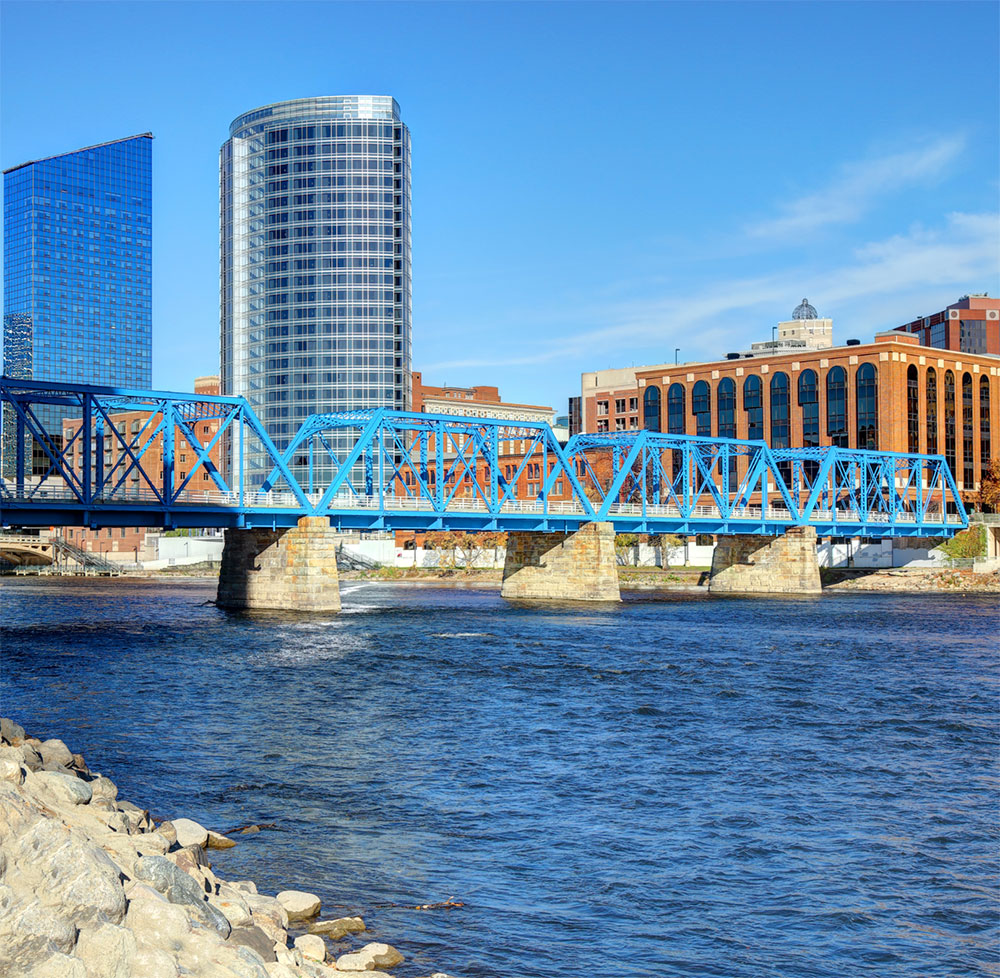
<point>780,415</point>
<point>931,413</point>
<point>727,408</point>
<point>753,404</point>
<point>809,403</point>
<point>968,434</point>
<point>701,408</point>
<point>675,409</point>
<point>651,408</point>
<point>836,407</point>
<point>675,423</point>
<point>985,452</point>
<point>726,419</point>
<point>779,411</point>
<point>866,382</point>
<point>949,421</point>
<point>912,409</point>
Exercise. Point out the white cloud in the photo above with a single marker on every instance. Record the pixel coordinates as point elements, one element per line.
<point>857,187</point>
<point>902,272</point>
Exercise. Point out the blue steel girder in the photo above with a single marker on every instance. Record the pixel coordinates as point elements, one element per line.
<point>648,481</point>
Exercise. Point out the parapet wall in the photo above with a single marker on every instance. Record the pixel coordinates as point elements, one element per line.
<point>745,564</point>
<point>292,570</point>
<point>577,566</point>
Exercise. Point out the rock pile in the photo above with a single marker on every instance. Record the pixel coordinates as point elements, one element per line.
<point>91,888</point>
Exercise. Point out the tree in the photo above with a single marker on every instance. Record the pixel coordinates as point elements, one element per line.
<point>459,548</point>
<point>989,487</point>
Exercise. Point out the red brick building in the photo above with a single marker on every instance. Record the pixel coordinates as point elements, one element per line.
<point>130,542</point>
<point>891,394</point>
<point>971,325</point>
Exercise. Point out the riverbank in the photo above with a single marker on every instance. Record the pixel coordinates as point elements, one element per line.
<point>916,581</point>
<point>94,887</point>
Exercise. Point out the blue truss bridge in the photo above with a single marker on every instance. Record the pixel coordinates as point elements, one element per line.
<point>75,455</point>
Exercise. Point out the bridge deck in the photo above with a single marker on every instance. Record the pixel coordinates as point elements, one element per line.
<point>399,470</point>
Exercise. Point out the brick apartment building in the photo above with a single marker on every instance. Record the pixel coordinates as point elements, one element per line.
<point>131,542</point>
<point>892,394</point>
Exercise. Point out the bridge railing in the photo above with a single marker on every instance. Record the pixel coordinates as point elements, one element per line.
<point>74,453</point>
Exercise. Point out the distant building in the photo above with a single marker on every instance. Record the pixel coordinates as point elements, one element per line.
<point>315,262</point>
<point>78,266</point>
<point>483,402</point>
<point>891,394</point>
<point>804,331</point>
<point>971,325</point>
<point>477,402</point>
<point>130,542</point>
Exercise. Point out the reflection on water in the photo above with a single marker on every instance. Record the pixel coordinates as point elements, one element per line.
<point>680,787</point>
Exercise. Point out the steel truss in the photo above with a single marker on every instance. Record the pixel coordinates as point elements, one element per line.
<point>386,469</point>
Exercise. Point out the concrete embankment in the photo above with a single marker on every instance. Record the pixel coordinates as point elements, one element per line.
<point>91,887</point>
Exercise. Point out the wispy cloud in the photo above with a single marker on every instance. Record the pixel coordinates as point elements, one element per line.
<point>858,186</point>
<point>960,254</point>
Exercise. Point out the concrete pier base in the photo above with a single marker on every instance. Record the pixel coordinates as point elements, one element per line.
<point>745,564</point>
<point>285,570</point>
<point>578,566</point>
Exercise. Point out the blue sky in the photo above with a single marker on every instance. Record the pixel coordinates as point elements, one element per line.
<point>593,184</point>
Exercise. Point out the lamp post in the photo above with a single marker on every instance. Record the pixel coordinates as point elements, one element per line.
<point>774,339</point>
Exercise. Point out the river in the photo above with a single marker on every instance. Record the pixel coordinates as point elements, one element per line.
<point>680,786</point>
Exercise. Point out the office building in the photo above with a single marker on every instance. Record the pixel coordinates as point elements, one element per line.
<point>892,394</point>
<point>315,261</point>
<point>78,266</point>
<point>971,325</point>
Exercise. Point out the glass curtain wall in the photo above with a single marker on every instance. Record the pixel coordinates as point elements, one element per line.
<point>315,272</point>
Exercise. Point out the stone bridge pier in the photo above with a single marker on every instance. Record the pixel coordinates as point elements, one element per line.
<point>748,564</point>
<point>578,566</point>
<point>281,570</point>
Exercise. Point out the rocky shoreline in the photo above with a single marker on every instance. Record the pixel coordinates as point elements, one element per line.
<point>91,887</point>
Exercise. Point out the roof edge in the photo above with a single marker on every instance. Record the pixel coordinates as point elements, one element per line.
<point>82,149</point>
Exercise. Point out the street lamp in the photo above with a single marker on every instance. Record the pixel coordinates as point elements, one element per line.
<point>774,339</point>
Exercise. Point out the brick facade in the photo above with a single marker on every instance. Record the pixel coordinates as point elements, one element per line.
<point>904,376</point>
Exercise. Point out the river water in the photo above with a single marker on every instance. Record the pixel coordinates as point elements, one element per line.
<point>680,786</point>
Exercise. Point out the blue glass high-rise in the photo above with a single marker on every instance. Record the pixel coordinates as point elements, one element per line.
<point>315,260</point>
<point>78,270</point>
<point>78,266</point>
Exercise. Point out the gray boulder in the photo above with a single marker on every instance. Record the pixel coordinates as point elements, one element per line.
<point>181,889</point>
<point>10,731</point>
<point>56,752</point>
<point>255,939</point>
<point>66,872</point>
<point>67,788</point>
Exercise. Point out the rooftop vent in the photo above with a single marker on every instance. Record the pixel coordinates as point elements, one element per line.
<point>854,342</point>
<point>732,356</point>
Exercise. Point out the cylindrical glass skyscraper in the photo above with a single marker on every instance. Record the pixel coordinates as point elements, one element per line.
<point>315,260</point>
